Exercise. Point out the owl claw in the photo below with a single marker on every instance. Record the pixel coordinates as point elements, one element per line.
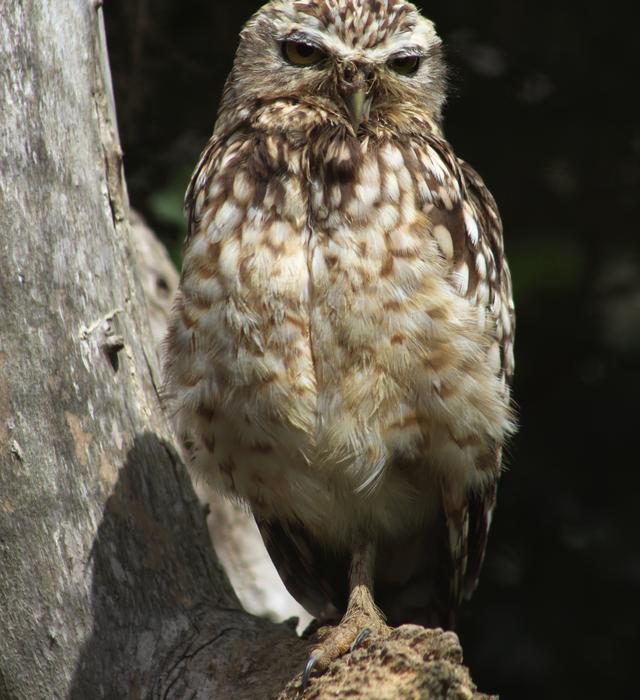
<point>364,634</point>
<point>334,652</point>
<point>307,671</point>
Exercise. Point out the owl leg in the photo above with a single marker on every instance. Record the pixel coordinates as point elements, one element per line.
<point>361,620</point>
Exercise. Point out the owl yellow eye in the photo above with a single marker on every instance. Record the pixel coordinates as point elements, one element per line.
<point>405,65</point>
<point>301,54</point>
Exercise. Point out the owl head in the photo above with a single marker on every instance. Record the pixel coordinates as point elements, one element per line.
<point>364,63</point>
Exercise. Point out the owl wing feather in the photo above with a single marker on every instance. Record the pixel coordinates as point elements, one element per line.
<point>208,163</point>
<point>479,272</point>
<point>501,298</point>
<point>313,575</point>
<point>491,246</point>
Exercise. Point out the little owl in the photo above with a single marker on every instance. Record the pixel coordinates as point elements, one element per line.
<point>341,347</point>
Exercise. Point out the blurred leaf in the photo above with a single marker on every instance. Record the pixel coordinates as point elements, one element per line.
<point>165,203</point>
<point>545,263</point>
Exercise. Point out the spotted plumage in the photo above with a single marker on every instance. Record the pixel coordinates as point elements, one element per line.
<point>341,346</point>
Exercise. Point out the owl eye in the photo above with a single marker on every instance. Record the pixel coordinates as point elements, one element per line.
<point>405,65</point>
<point>300,54</point>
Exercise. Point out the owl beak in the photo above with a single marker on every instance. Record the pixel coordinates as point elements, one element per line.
<point>358,104</point>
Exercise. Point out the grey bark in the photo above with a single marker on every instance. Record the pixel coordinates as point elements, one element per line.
<point>109,587</point>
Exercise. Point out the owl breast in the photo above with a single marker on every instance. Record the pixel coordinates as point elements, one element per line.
<point>326,362</point>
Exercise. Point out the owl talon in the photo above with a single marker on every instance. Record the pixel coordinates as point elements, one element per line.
<point>311,662</point>
<point>365,633</point>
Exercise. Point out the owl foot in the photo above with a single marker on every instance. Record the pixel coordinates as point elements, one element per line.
<point>354,629</point>
<point>361,620</point>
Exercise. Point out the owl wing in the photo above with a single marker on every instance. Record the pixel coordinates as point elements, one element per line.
<point>467,228</point>
<point>208,164</point>
<point>314,576</point>
<point>466,225</point>
<point>485,252</point>
<point>500,305</point>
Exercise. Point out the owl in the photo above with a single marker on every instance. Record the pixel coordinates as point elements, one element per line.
<point>341,346</point>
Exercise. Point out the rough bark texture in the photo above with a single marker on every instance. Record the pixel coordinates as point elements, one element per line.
<point>108,584</point>
<point>414,663</point>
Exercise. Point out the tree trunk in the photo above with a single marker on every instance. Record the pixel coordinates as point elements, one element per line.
<point>109,587</point>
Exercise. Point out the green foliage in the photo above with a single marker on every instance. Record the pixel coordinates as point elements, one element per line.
<point>165,209</point>
<point>545,263</point>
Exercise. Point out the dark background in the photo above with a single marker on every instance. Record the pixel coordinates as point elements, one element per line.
<point>541,105</point>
